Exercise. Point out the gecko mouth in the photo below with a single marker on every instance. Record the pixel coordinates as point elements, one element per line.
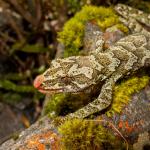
<point>37,84</point>
<point>45,91</point>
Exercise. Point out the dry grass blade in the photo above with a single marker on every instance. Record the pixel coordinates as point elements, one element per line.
<point>115,129</point>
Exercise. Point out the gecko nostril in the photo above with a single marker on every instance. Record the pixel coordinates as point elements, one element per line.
<point>38,80</point>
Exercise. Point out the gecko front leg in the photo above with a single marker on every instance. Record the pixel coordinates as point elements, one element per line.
<point>99,104</point>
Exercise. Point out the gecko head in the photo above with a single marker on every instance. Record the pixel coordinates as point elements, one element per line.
<point>64,75</point>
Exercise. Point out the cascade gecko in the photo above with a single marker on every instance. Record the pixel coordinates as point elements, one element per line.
<point>80,73</point>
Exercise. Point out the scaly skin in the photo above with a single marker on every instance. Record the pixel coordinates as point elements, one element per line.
<point>129,12</point>
<point>80,73</point>
<point>133,19</point>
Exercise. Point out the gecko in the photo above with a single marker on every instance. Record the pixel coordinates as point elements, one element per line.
<point>79,73</point>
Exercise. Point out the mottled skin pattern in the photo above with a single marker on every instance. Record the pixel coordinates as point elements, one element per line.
<point>79,73</point>
<point>136,20</point>
<point>129,12</point>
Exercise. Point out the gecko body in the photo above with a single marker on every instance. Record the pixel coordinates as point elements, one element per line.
<point>79,73</point>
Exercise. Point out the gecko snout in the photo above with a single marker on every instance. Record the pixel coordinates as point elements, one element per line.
<point>38,81</point>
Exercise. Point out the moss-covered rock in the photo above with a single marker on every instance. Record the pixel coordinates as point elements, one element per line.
<point>73,31</point>
<point>62,104</point>
<point>87,135</point>
<point>124,91</point>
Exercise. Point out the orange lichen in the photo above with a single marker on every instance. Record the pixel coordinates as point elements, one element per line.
<point>42,141</point>
<point>125,125</point>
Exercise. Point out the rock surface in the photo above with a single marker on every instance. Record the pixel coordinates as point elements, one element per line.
<point>133,123</point>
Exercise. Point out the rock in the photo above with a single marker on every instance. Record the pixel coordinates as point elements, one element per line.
<point>92,34</point>
<point>10,123</point>
<point>134,120</point>
<point>112,35</point>
<point>133,123</point>
<point>41,135</point>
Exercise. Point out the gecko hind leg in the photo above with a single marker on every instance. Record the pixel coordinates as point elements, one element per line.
<point>102,102</point>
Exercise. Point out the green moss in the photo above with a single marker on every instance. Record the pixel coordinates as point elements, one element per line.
<point>107,22</point>
<point>124,91</point>
<point>13,76</point>
<point>73,31</point>
<point>8,85</point>
<point>62,104</point>
<point>85,135</point>
<point>54,106</point>
<point>75,5</point>
<point>10,98</point>
<point>28,48</point>
<point>15,136</point>
<point>122,27</point>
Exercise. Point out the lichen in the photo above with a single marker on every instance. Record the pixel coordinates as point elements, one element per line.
<point>78,134</point>
<point>41,141</point>
<point>72,34</point>
<point>124,91</point>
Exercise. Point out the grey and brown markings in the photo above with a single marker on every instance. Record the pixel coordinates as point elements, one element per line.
<point>79,73</point>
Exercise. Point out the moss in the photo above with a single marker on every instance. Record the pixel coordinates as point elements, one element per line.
<point>80,134</point>
<point>13,76</point>
<point>73,31</point>
<point>107,22</point>
<point>15,136</point>
<point>75,5</point>
<point>54,106</point>
<point>124,91</point>
<point>28,48</point>
<point>10,97</point>
<point>8,85</point>
<point>122,27</point>
<point>62,104</point>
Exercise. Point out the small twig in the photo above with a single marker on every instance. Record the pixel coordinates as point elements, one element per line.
<point>3,47</point>
<point>14,26</point>
<point>38,10</point>
<point>120,135</point>
<point>25,14</point>
<point>31,7</point>
<point>12,23</point>
<point>20,62</point>
<point>112,125</point>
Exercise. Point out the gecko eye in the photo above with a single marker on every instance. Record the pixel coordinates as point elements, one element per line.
<point>66,80</point>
